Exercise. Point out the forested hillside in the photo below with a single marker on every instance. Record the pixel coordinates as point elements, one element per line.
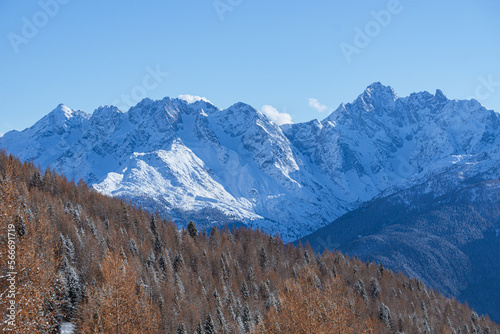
<point>450,242</point>
<point>109,267</point>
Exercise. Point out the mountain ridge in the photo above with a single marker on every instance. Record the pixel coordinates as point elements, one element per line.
<point>291,179</point>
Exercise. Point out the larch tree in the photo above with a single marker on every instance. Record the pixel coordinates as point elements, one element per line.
<point>118,305</point>
<point>307,308</point>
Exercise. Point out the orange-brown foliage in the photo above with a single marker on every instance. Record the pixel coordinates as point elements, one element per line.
<point>110,267</point>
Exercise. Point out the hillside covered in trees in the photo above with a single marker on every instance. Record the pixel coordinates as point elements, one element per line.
<point>68,253</point>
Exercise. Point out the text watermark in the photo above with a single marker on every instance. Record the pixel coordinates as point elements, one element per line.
<point>11,279</point>
<point>31,26</point>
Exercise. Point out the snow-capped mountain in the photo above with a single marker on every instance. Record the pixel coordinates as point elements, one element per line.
<point>193,160</point>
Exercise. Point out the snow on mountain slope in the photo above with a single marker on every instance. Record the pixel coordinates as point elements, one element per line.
<point>381,140</point>
<point>185,157</point>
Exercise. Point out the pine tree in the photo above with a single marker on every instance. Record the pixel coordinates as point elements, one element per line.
<point>132,245</point>
<point>209,325</point>
<point>221,320</point>
<point>72,289</point>
<point>192,230</point>
<point>245,292</point>
<point>224,265</point>
<point>153,226</point>
<point>385,316</point>
<point>157,244</point>
<point>217,298</point>
<point>36,180</point>
<point>178,262</point>
<point>374,287</point>
<point>307,257</point>
<point>263,258</point>
<point>199,329</point>
<point>181,329</point>
<point>246,319</point>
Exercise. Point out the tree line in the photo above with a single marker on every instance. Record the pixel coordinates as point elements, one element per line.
<point>110,267</point>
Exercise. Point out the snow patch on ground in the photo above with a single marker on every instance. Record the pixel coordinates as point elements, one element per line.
<point>67,328</point>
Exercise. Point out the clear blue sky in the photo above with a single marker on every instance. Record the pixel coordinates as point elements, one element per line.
<point>280,53</point>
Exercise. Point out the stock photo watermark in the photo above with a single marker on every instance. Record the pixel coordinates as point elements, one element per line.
<point>325,244</point>
<point>372,29</point>
<point>31,26</point>
<point>11,279</point>
<point>486,88</point>
<point>224,6</point>
<point>403,167</point>
<point>152,80</point>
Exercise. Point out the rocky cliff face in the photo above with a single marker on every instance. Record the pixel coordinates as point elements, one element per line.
<point>195,161</point>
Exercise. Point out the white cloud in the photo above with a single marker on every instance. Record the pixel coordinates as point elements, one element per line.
<point>314,103</point>
<point>275,116</point>
<point>192,98</point>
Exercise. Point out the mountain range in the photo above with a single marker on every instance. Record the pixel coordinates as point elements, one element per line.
<point>194,160</point>
<point>410,181</point>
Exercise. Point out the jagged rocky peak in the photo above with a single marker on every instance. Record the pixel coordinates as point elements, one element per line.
<point>62,110</point>
<point>377,89</point>
<point>306,174</point>
<point>61,118</point>
<point>106,117</point>
<point>160,113</point>
<point>242,108</point>
<point>440,96</point>
<point>148,106</point>
<point>105,111</point>
<point>237,119</point>
<point>62,113</point>
<point>377,96</point>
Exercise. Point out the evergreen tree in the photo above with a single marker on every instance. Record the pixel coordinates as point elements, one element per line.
<point>72,289</point>
<point>153,226</point>
<point>157,244</point>
<point>263,258</point>
<point>36,180</point>
<point>199,329</point>
<point>192,230</point>
<point>385,315</point>
<point>375,288</point>
<point>307,257</point>
<point>209,325</point>
<point>246,319</point>
<point>221,320</point>
<point>360,287</point>
<point>245,292</point>
<point>162,261</point>
<point>181,329</point>
<point>217,298</point>
<point>132,245</point>
<point>225,272</point>
<point>68,249</point>
<point>178,262</point>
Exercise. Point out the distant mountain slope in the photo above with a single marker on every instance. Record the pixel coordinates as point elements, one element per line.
<point>193,160</point>
<point>106,266</point>
<point>450,241</point>
<point>423,168</point>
